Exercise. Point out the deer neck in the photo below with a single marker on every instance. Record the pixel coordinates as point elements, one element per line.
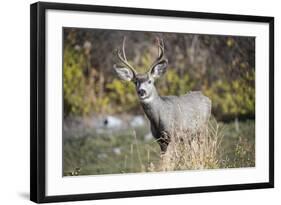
<point>151,107</point>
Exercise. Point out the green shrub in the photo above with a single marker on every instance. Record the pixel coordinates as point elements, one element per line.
<point>232,98</point>
<point>74,83</point>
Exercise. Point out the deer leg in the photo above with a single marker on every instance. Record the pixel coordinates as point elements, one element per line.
<point>163,147</point>
<point>164,142</point>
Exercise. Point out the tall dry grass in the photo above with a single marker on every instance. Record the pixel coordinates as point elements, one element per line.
<point>192,151</point>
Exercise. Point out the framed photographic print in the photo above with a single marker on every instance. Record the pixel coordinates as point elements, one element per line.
<point>129,102</point>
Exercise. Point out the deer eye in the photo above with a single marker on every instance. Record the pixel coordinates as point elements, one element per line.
<point>149,81</point>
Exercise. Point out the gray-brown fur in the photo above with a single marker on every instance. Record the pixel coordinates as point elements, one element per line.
<point>166,114</point>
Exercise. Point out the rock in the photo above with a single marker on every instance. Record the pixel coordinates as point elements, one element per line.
<point>148,136</point>
<point>137,121</point>
<point>116,150</point>
<point>112,122</point>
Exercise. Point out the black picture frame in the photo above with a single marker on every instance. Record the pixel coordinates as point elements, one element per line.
<point>38,101</point>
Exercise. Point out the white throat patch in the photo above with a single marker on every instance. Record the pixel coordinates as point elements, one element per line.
<point>147,100</point>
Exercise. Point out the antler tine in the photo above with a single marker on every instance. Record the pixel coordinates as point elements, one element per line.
<point>124,59</point>
<point>123,48</point>
<point>160,44</point>
<point>160,48</point>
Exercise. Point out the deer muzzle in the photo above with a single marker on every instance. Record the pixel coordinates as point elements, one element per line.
<point>142,93</point>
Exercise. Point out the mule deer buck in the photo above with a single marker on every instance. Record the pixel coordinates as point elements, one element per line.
<point>166,114</point>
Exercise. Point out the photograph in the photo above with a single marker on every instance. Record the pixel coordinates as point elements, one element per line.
<point>140,102</point>
<point>134,102</point>
<point>145,101</point>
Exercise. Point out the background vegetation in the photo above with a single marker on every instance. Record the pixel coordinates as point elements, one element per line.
<point>222,67</point>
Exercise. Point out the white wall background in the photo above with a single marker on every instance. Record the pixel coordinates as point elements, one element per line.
<point>14,100</point>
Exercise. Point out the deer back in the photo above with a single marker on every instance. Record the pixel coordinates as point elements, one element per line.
<point>187,112</point>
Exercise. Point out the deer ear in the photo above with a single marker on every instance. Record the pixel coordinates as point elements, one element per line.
<point>159,69</point>
<point>124,73</point>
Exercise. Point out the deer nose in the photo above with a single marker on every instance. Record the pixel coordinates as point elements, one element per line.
<point>141,92</point>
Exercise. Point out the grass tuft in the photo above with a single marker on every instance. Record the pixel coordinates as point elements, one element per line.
<point>191,151</point>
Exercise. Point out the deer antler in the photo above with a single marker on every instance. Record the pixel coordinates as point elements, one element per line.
<point>124,58</point>
<point>160,46</point>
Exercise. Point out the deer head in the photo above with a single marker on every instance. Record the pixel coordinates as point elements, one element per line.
<point>144,82</point>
